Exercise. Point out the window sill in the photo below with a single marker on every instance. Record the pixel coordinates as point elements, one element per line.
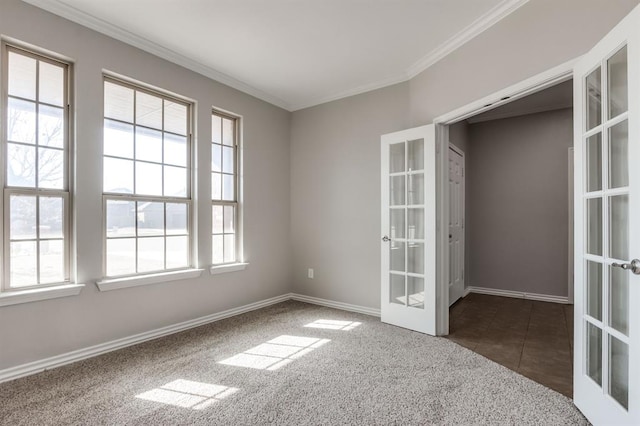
<point>36,294</point>
<point>223,269</point>
<point>138,280</point>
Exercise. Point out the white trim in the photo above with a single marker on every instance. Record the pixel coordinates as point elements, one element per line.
<point>477,27</point>
<point>336,305</point>
<point>42,293</point>
<point>551,77</point>
<point>58,8</point>
<point>28,369</point>
<point>222,269</point>
<point>467,290</point>
<point>519,294</point>
<point>138,280</point>
<point>511,114</point>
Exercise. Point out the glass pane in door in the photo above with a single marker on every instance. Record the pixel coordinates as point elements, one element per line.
<point>415,157</point>
<point>619,300</point>
<point>397,223</point>
<point>415,191</point>
<point>594,163</point>
<point>618,155</point>
<point>594,290</point>
<point>594,101</point>
<point>619,227</point>
<point>594,226</point>
<point>619,371</point>
<point>618,92</point>
<point>415,217</point>
<point>397,191</point>
<point>397,294</point>
<point>594,353</point>
<point>415,289</point>
<point>396,158</point>
<point>396,255</point>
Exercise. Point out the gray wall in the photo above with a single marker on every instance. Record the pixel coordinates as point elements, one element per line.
<point>335,193</point>
<point>536,37</point>
<point>517,211</point>
<point>459,136</point>
<point>335,173</point>
<point>34,331</point>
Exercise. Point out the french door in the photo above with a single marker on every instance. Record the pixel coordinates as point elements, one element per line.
<point>607,227</point>
<point>456,225</point>
<point>408,244</point>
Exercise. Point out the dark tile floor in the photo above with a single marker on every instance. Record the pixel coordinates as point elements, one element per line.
<point>532,338</point>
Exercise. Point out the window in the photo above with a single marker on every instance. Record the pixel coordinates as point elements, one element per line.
<point>147,180</point>
<point>224,188</point>
<point>35,141</point>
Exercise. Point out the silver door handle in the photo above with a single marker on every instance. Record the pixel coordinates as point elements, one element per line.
<point>386,239</point>
<point>634,266</point>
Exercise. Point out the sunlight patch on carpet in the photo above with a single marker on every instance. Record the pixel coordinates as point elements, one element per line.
<point>188,394</point>
<point>334,324</point>
<point>275,353</point>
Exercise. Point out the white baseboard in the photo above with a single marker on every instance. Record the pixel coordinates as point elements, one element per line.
<point>466,292</point>
<point>80,354</point>
<point>519,295</point>
<point>336,305</point>
<point>28,369</point>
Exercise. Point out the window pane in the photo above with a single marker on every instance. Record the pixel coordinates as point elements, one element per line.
<point>229,248</point>
<point>216,129</point>
<point>619,227</point>
<point>217,219</point>
<point>51,217</point>
<point>176,218</point>
<point>148,178</point>
<point>594,290</point>
<point>416,223</point>
<point>22,221</point>
<point>118,139</point>
<point>22,165</point>
<point>228,165</point>
<point>23,264</point>
<point>148,110</point>
<point>594,353</point>
<point>21,121</point>
<point>227,188</point>
<point>415,156</point>
<point>22,76</point>
<point>415,288</point>
<point>51,261</point>
<point>175,150</point>
<point>416,189</point>
<point>121,256</point>
<point>150,218</point>
<point>118,102</point>
<point>594,163</point>
<point>397,253</point>
<point>217,249</point>
<point>594,226</point>
<point>51,126</point>
<point>121,218</point>
<point>177,252</point>
<point>150,254</point>
<point>397,289</point>
<point>619,155</point>
<point>229,219</point>
<point>175,181</point>
<point>619,300</point>
<point>227,131</point>
<point>216,158</point>
<point>51,84</point>
<point>396,159</point>
<point>148,145</point>
<point>619,371</point>
<point>50,168</point>
<point>396,190</point>
<point>118,175</point>
<point>216,186</point>
<point>415,258</point>
<point>175,117</point>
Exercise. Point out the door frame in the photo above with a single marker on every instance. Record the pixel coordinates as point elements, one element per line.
<point>544,80</point>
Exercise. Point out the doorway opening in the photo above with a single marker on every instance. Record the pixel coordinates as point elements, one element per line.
<point>510,234</point>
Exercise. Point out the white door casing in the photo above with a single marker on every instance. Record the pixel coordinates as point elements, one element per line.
<point>408,246</point>
<point>456,224</point>
<point>607,227</point>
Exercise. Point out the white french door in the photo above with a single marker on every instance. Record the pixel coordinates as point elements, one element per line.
<point>607,227</point>
<point>456,225</point>
<point>409,229</point>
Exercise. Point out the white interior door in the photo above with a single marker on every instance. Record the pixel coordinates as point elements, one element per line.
<point>607,227</point>
<point>409,229</point>
<point>456,225</point>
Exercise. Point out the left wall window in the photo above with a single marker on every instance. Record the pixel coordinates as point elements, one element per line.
<point>35,151</point>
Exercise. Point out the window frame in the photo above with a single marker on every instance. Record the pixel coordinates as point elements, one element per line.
<point>188,200</point>
<point>236,202</point>
<point>65,193</point>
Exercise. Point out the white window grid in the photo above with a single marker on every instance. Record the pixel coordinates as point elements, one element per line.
<point>137,232</point>
<point>38,191</point>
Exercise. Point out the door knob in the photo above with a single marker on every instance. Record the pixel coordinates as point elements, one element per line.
<point>386,239</point>
<point>634,266</point>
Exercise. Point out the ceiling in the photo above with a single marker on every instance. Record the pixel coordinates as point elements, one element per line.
<point>293,53</point>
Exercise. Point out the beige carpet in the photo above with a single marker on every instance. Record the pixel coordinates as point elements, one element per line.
<point>293,364</point>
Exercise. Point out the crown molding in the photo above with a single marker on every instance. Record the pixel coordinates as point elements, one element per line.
<point>61,9</point>
<point>483,23</point>
<point>351,92</point>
